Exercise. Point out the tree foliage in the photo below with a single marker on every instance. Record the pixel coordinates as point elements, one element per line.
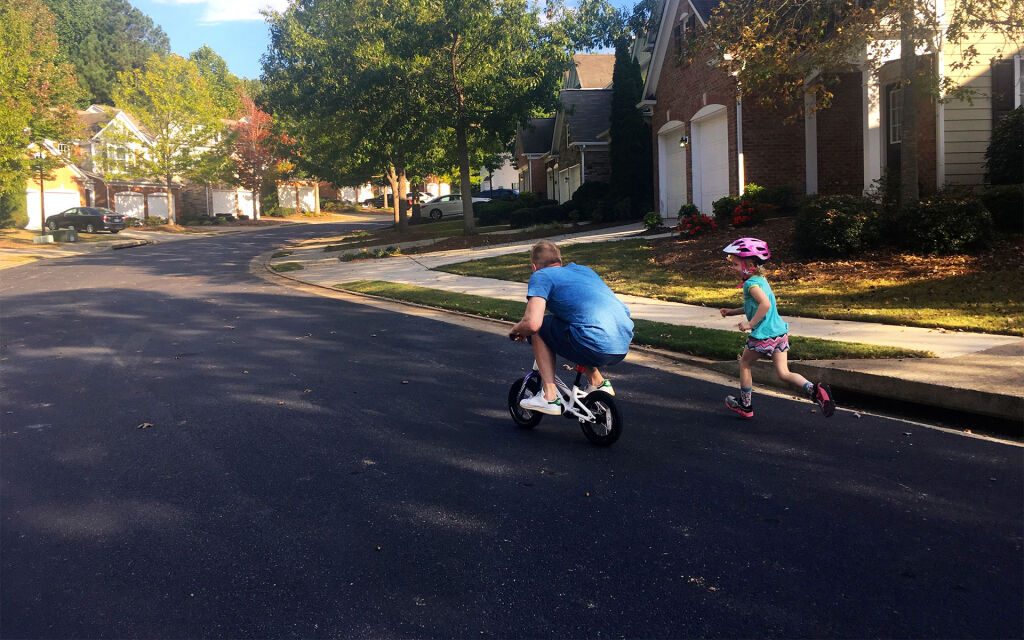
<point>383,87</point>
<point>36,93</point>
<point>254,148</point>
<point>223,84</point>
<point>103,38</point>
<point>172,102</point>
<point>630,147</point>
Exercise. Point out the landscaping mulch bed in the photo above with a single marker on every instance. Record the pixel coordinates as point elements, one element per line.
<point>702,255</point>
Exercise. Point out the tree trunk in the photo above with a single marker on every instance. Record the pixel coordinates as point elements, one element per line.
<point>403,208</point>
<point>909,192</point>
<point>171,218</point>
<point>393,181</point>
<point>468,226</point>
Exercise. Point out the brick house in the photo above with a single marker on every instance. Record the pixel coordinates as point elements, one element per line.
<point>555,155</point>
<point>709,142</point>
<point>533,142</point>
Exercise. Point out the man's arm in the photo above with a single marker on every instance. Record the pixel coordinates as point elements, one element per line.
<point>532,319</point>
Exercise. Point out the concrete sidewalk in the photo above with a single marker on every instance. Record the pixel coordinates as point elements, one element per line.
<point>976,373</point>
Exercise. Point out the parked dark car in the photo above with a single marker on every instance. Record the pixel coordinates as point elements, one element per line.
<point>501,193</point>
<point>87,219</point>
<point>377,203</point>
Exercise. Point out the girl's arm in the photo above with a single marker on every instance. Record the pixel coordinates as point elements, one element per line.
<point>763,307</point>
<point>731,312</point>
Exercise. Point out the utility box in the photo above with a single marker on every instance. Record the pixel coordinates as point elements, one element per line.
<point>65,235</point>
<point>42,239</point>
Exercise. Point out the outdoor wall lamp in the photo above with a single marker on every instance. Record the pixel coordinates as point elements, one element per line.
<point>683,141</point>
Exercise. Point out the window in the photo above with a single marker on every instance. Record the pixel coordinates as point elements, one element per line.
<point>65,149</point>
<point>1002,89</point>
<point>895,115</point>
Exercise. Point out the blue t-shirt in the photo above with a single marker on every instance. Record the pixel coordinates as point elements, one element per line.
<point>578,296</point>
<point>771,325</point>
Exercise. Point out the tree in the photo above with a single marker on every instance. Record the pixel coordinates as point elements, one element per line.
<point>172,102</point>
<point>253,149</point>
<point>223,84</point>
<point>373,87</point>
<point>37,93</point>
<point>102,38</point>
<point>488,65</point>
<point>630,146</point>
<point>782,50</point>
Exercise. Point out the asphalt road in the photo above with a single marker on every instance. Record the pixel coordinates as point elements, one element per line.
<point>317,468</point>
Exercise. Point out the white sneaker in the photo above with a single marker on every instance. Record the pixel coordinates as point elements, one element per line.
<point>538,403</point>
<point>605,386</point>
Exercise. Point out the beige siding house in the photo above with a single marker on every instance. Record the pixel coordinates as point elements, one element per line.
<point>965,127</point>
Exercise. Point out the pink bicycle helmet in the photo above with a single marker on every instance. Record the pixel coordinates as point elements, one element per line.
<point>749,248</point>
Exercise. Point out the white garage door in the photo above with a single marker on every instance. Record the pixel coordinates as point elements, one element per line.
<point>307,199</point>
<point>57,200</point>
<point>223,201</point>
<point>245,205</point>
<point>130,204</point>
<point>157,205</point>
<point>671,174</point>
<point>711,159</point>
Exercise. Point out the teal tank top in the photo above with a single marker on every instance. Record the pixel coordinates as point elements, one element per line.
<point>771,325</point>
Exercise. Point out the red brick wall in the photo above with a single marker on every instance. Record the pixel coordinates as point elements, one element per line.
<point>773,150</point>
<point>841,138</point>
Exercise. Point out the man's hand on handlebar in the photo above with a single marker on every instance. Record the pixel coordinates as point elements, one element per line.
<point>515,337</point>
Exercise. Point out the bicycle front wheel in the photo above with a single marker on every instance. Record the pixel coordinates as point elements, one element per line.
<point>607,427</point>
<point>524,418</point>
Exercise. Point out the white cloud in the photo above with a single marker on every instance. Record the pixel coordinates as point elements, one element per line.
<point>232,10</point>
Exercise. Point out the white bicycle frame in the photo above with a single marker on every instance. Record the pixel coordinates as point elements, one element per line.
<point>570,397</point>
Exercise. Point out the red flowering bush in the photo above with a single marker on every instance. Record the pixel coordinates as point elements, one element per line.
<point>747,213</point>
<point>695,224</point>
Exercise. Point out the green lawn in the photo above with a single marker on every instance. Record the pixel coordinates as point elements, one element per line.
<point>987,302</point>
<point>708,343</point>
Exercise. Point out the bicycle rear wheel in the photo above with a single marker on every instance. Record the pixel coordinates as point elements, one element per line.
<point>524,418</point>
<point>608,426</point>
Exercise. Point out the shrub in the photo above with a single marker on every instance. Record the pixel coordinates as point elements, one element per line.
<point>527,199</point>
<point>1004,158</point>
<point>947,223</point>
<point>548,213</point>
<point>833,226</point>
<point>688,209</point>
<point>747,213</point>
<point>724,209</point>
<point>154,221</point>
<point>652,220</point>
<point>1006,204</point>
<point>695,224</point>
<point>494,211</point>
<point>521,218</point>
<point>13,209</point>
<point>589,198</point>
<point>782,197</point>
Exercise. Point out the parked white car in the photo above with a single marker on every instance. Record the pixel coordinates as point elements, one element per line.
<point>450,206</point>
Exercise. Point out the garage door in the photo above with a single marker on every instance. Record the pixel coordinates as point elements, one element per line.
<point>223,201</point>
<point>671,173</point>
<point>245,205</point>
<point>130,204</point>
<point>57,200</point>
<point>711,159</point>
<point>157,205</point>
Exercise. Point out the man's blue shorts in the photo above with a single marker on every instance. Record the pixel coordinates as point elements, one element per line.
<point>555,334</point>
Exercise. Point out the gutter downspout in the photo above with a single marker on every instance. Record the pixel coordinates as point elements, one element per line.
<point>740,172</point>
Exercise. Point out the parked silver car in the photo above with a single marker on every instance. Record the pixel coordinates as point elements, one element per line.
<point>450,206</point>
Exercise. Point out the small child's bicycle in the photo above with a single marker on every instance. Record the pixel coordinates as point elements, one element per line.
<point>596,411</point>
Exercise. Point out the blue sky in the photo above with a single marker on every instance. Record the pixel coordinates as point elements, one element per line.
<point>233,28</point>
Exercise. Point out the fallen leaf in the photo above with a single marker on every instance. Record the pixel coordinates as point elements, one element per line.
<point>145,425</point>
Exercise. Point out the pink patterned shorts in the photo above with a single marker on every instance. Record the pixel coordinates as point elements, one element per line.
<point>768,346</point>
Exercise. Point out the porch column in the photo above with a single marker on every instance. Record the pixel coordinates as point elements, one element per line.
<point>872,130</point>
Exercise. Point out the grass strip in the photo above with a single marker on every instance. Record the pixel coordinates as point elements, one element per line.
<point>985,302</point>
<point>286,266</point>
<point>716,344</point>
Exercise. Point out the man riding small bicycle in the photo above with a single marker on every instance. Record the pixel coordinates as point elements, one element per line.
<point>587,324</point>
